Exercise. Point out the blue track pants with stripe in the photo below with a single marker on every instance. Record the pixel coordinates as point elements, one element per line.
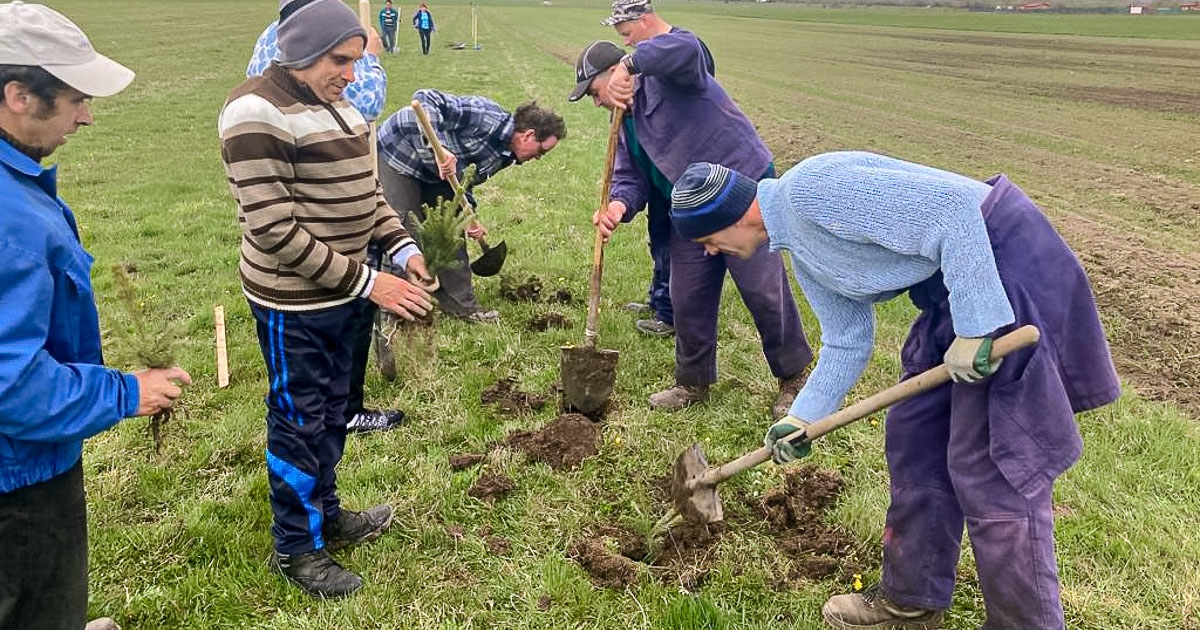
<point>308,357</point>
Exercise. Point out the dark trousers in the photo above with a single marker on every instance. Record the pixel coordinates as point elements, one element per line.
<point>455,295</point>
<point>424,40</point>
<point>389,39</point>
<point>43,554</point>
<point>308,368</point>
<point>696,283</point>
<point>659,229</point>
<point>360,345</point>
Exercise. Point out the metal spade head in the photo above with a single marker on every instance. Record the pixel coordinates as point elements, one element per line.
<point>588,375</point>
<point>696,500</point>
<point>491,260</point>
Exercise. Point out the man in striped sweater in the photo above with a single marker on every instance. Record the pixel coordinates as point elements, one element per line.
<point>298,160</point>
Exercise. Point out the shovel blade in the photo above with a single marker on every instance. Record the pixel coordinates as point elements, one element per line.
<point>588,375</point>
<point>491,260</point>
<point>696,500</point>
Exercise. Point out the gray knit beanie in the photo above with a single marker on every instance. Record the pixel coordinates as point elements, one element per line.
<point>311,28</point>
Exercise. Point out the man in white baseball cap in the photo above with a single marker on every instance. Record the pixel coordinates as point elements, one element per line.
<point>55,391</point>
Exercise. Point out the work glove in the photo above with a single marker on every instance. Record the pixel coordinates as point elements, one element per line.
<point>783,451</point>
<point>969,359</point>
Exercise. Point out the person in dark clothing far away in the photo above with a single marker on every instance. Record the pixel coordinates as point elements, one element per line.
<point>422,20</point>
<point>977,259</point>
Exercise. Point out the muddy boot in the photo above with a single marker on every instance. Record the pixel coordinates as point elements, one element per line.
<point>788,388</point>
<point>679,396</point>
<point>872,610</point>
<point>317,574</point>
<point>103,623</point>
<point>351,528</point>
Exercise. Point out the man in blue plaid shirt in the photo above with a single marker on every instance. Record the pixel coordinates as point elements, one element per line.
<point>474,130</point>
<point>366,93</point>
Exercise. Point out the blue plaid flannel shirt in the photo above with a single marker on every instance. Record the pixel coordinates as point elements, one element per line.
<point>367,93</point>
<point>475,129</point>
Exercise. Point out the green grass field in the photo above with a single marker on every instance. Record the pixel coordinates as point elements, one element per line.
<point>1095,116</point>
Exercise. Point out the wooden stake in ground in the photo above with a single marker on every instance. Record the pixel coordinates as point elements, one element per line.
<point>222,353</point>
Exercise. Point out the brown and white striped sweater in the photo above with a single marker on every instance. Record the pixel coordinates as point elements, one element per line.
<point>308,200</point>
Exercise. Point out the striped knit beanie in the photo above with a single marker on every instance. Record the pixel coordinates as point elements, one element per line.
<point>311,28</point>
<point>709,198</point>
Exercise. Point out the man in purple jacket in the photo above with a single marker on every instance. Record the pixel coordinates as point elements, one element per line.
<point>677,113</point>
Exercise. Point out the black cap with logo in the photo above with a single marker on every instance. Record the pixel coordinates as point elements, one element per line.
<point>595,59</point>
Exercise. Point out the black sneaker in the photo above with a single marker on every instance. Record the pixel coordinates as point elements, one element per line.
<point>655,328</point>
<point>317,574</point>
<point>369,420</point>
<point>351,528</point>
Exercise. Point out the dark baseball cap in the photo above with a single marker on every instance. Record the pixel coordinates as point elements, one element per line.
<point>595,59</point>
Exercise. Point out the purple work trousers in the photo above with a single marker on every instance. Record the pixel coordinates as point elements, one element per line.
<point>696,283</point>
<point>987,453</point>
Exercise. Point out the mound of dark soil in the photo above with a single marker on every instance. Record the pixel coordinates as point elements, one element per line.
<point>504,394</point>
<point>682,557</point>
<point>607,569</point>
<point>491,486</point>
<point>543,603</point>
<point>463,461</point>
<point>528,291</point>
<point>542,323</point>
<point>562,296</point>
<point>562,444</point>
<point>795,514</point>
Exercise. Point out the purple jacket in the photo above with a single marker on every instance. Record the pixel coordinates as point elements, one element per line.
<point>682,115</point>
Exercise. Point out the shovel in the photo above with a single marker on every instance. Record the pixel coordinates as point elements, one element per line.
<point>588,374</point>
<point>492,258</point>
<point>694,485</point>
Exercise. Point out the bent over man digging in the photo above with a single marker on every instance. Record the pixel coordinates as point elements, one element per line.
<point>473,130</point>
<point>298,160</point>
<point>978,259</point>
<point>677,114</point>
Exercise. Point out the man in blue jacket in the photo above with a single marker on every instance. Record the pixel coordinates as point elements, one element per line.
<point>678,112</point>
<point>54,389</point>
<point>389,22</point>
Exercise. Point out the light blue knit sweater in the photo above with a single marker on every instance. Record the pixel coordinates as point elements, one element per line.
<point>861,229</point>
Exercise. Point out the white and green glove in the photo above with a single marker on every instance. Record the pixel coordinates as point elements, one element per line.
<point>969,359</point>
<point>783,451</point>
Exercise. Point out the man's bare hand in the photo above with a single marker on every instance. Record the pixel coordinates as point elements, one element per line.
<point>416,269</point>
<point>404,298</point>
<point>448,167</point>
<point>476,231</point>
<point>618,91</point>
<point>606,221</point>
<point>374,43</point>
<point>157,389</point>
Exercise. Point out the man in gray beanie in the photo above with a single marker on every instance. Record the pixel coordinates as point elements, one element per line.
<point>298,159</point>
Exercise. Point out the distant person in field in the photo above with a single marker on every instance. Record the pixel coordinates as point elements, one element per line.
<point>635,21</point>
<point>55,391</point>
<point>297,156</point>
<point>977,259</point>
<point>389,22</point>
<point>474,131</point>
<point>422,20</point>
<point>677,113</point>
<point>367,94</point>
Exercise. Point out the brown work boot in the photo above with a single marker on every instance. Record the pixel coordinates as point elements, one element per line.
<point>872,610</point>
<point>679,396</point>
<point>103,623</point>
<point>788,388</point>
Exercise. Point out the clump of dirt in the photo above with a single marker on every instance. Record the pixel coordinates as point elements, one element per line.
<point>607,569</point>
<point>543,603</point>
<point>562,444</point>
<point>464,461</point>
<point>553,319</point>
<point>504,394</point>
<point>498,545</point>
<point>562,296</point>
<point>456,532</point>
<point>681,558</point>
<point>795,514</point>
<point>528,291</point>
<point>491,486</point>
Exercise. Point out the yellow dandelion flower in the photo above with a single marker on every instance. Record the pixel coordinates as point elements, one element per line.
<point>858,585</point>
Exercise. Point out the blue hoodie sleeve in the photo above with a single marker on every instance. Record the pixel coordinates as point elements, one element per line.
<point>677,57</point>
<point>41,399</point>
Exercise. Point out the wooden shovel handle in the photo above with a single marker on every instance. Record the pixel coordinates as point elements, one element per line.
<point>439,152</point>
<point>614,133</point>
<point>1022,337</point>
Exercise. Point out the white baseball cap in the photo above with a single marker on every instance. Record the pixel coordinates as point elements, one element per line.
<point>36,35</point>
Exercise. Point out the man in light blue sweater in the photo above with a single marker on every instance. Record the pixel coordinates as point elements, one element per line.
<point>978,259</point>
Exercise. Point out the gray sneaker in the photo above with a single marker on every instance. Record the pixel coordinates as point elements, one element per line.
<point>679,396</point>
<point>482,317</point>
<point>655,328</point>
<point>103,623</point>
<point>872,610</point>
<point>788,388</point>
<point>638,307</point>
